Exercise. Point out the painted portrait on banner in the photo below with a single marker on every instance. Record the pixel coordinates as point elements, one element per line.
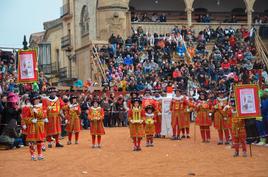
<point>247,99</point>
<point>27,66</point>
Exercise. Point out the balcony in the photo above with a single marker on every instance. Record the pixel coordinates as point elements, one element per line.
<point>63,73</point>
<point>49,69</point>
<point>66,75</point>
<point>66,42</point>
<point>65,12</point>
<point>163,28</point>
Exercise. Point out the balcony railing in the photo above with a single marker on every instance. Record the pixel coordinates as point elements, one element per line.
<point>167,27</point>
<point>49,68</point>
<point>66,41</point>
<point>63,73</point>
<point>65,10</point>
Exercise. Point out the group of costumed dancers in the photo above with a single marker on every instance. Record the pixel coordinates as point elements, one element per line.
<point>41,119</point>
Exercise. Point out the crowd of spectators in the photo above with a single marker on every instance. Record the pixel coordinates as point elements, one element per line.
<point>149,61</point>
<point>211,59</point>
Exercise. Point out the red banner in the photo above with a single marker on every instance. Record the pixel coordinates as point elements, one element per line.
<point>247,101</point>
<point>27,66</point>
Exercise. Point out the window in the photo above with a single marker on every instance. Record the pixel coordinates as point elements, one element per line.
<point>84,22</point>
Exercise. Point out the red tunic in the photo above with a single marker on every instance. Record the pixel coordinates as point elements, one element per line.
<point>96,116</point>
<point>136,119</point>
<point>52,109</point>
<point>203,109</point>
<point>222,117</point>
<point>36,131</point>
<point>25,113</point>
<point>178,108</point>
<point>158,120</point>
<point>238,128</point>
<point>74,122</point>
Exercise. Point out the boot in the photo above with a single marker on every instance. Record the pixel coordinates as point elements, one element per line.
<point>173,138</point>
<point>244,154</point>
<point>69,142</point>
<point>40,157</point>
<point>76,142</point>
<point>49,145</point>
<point>220,142</point>
<point>59,145</point>
<point>236,154</point>
<point>183,136</point>
<point>33,158</point>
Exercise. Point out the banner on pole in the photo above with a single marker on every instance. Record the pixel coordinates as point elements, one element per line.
<point>247,101</point>
<point>27,66</point>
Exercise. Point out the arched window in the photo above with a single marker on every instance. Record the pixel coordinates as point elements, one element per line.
<point>84,22</point>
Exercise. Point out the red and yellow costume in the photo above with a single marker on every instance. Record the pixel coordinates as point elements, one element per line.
<point>238,133</point>
<point>36,131</point>
<point>178,120</point>
<point>188,108</point>
<point>150,119</point>
<point>73,121</point>
<point>34,118</point>
<point>25,112</point>
<point>158,117</point>
<point>222,118</point>
<point>146,101</point>
<point>203,119</point>
<point>96,116</point>
<point>136,127</point>
<point>52,107</point>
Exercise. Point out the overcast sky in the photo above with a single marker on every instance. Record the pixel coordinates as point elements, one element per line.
<point>19,17</point>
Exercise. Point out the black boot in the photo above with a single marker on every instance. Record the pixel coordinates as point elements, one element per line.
<point>59,145</point>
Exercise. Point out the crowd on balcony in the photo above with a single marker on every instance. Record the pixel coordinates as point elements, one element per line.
<point>153,18</point>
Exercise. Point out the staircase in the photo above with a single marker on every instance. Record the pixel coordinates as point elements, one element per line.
<point>261,49</point>
<point>99,67</point>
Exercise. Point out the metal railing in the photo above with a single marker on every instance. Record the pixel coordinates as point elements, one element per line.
<point>66,41</point>
<point>49,68</point>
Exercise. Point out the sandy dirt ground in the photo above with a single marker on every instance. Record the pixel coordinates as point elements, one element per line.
<point>116,159</point>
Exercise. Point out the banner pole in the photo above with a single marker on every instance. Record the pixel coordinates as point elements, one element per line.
<point>250,150</point>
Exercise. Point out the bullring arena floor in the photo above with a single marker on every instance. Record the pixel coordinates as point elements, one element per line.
<point>116,159</point>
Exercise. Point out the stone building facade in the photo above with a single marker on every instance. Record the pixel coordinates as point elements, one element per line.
<point>85,21</point>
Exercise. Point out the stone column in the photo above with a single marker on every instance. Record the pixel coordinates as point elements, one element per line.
<point>249,9</point>
<point>249,17</point>
<point>189,16</point>
<point>189,9</point>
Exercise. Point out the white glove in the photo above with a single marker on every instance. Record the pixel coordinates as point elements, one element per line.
<point>131,121</point>
<point>49,107</point>
<point>34,120</point>
<point>210,114</point>
<point>82,123</point>
<point>159,113</point>
<point>35,111</point>
<point>66,121</point>
<point>46,120</point>
<point>24,127</point>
